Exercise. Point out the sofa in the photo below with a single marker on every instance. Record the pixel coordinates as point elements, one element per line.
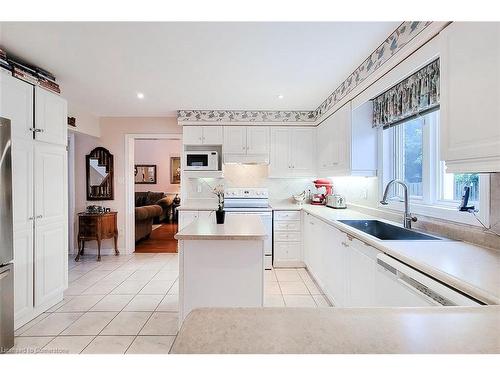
<point>144,217</point>
<point>150,198</point>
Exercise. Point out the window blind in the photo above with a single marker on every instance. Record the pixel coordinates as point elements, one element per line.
<point>413,96</point>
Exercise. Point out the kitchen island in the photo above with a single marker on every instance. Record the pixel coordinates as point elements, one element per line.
<point>221,265</point>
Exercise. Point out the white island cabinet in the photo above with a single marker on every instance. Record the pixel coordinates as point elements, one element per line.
<point>221,265</point>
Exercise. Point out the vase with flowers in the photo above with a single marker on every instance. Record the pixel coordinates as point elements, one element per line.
<point>220,213</point>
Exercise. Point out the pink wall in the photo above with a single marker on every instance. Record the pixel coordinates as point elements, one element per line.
<point>158,152</point>
<point>113,131</point>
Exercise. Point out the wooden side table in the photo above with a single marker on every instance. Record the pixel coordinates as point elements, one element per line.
<point>96,227</point>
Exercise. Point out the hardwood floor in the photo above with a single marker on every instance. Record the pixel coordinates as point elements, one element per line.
<point>161,240</point>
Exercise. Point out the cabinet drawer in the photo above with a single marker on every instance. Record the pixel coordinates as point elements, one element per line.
<point>287,236</point>
<point>293,226</point>
<point>287,215</point>
<point>287,250</point>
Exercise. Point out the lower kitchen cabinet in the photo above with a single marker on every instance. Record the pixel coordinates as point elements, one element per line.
<point>344,267</point>
<point>287,239</point>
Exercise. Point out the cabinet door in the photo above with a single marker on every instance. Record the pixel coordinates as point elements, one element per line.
<point>213,135</point>
<point>287,252</point>
<point>340,138</point>
<point>22,197</point>
<point>51,222</point>
<point>16,104</point>
<point>192,135</point>
<point>334,262</point>
<point>235,140</point>
<point>257,139</point>
<point>302,152</point>
<point>280,165</point>
<point>470,97</point>
<point>186,218</point>
<point>325,145</point>
<point>361,275</point>
<point>51,117</point>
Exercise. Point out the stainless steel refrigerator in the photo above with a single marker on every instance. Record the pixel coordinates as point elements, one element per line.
<point>6,241</point>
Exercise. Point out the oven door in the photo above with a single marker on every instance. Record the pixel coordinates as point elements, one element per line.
<point>267,220</point>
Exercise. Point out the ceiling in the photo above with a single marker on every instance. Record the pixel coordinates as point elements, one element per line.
<point>235,66</point>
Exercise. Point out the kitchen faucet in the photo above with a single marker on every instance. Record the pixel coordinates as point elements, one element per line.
<point>408,218</point>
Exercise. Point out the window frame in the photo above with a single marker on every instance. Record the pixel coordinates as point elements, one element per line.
<point>430,204</point>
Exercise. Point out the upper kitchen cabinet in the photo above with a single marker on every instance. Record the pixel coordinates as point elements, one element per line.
<point>16,104</point>
<point>202,135</point>
<point>347,143</point>
<point>50,117</point>
<point>292,152</point>
<point>470,97</point>
<point>246,144</point>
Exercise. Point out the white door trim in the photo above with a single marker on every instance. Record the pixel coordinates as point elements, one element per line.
<point>129,182</point>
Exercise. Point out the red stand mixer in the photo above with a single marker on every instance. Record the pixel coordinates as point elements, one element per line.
<point>320,199</point>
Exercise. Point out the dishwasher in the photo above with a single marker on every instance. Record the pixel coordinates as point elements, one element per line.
<point>401,285</point>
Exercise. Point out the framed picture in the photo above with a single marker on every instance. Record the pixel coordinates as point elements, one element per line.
<point>145,174</point>
<point>175,170</point>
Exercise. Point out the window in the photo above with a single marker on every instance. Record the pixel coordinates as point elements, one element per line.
<point>410,153</point>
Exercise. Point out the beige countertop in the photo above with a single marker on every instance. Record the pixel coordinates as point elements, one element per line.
<point>235,227</point>
<point>198,205</point>
<point>341,330</point>
<point>472,269</point>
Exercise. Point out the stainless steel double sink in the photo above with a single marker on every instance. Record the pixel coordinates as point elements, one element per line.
<point>388,232</point>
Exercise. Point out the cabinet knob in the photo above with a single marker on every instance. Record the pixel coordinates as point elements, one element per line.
<point>39,216</point>
<point>31,218</point>
<point>344,244</point>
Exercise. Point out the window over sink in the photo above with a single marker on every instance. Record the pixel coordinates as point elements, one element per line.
<point>410,152</point>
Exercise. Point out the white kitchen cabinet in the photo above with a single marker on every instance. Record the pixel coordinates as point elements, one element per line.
<point>246,144</point>
<point>293,151</point>
<point>235,140</point>
<point>51,117</point>
<point>361,268</point>
<point>202,135</point>
<point>335,264</point>
<point>39,178</point>
<point>287,239</point>
<point>347,143</point>
<point>470,97</point>
<point>23,216</point>
<point>16,104</point>
<point>257,140</point>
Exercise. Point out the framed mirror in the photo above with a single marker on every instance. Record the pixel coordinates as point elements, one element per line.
<point>145,174</point>
<point>99,164</point>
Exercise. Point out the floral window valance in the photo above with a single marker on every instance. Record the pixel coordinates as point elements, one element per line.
<point>417,94</point>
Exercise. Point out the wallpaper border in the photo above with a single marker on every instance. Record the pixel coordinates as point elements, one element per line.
<point>403,34</point>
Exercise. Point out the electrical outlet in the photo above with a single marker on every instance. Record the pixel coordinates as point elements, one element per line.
<point>364,194</point>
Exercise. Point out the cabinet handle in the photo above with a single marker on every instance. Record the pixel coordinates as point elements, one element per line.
<point>39,216</point>
<point>31,218</point>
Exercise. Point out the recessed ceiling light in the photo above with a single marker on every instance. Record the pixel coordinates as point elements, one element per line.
<point>140,95</point>
<point>280,96</point>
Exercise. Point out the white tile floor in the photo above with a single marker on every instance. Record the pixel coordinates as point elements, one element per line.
<point>129,304</point>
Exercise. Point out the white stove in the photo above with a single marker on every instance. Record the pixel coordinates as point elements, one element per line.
<point>253,201</point>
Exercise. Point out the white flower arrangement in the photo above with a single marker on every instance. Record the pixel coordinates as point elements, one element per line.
<point>219,191</point>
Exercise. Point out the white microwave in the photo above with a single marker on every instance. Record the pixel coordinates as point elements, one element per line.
<point>201,161</point>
